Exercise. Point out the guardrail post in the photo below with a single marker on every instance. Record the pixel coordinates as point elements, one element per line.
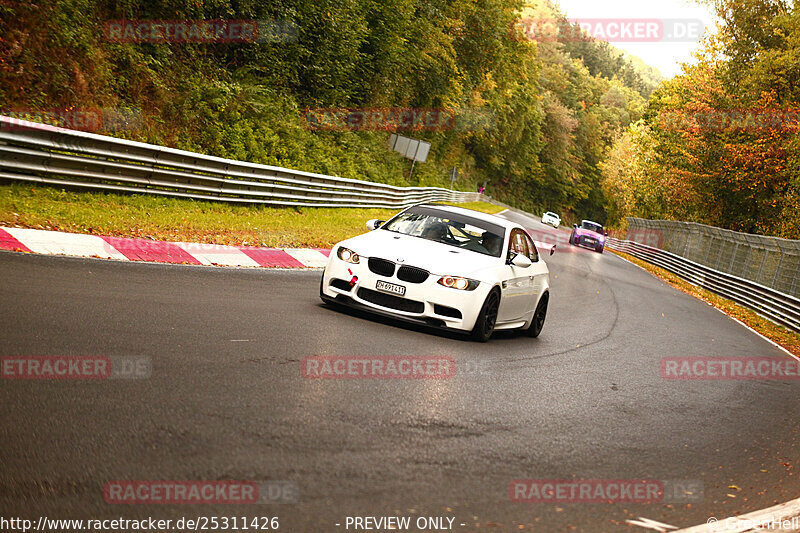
<point>761,268</point>
<point>746,267</point>
<point>777,271</point>
<point>708,253</point>
<point>733,258</point>
<point>688,234</point>
<point>719,256</point>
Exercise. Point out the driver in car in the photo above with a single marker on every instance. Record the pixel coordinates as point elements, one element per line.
<point>435,232</point>
<point>493,243</point>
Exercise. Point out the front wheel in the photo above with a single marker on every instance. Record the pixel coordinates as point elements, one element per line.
<point>599,249</point>
<point>537,322</point>
<point>487,318</point>
<point>321,294</point>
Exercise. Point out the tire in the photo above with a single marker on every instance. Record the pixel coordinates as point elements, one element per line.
<point>599,249</point>
<point>537,322</point>
<point>487,318</point>
<point>572,239</point>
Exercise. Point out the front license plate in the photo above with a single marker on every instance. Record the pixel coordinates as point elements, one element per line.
<point>390,287</point>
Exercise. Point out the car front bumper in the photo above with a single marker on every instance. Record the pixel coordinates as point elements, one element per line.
<point>424,303</point>
<point>588,242</point>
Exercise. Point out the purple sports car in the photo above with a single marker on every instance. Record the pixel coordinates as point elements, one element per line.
<point>589,234</point>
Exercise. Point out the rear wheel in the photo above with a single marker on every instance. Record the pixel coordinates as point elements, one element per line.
<point>487,318</point>
<point>537,322</point>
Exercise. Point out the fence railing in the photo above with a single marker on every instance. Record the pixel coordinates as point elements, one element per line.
<point>777,306</point>
<point>768,261</point>
<point>40,153</point>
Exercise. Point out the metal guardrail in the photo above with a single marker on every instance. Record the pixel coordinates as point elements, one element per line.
<point>45,154</point>
<point>769,261</point>
<point>777,306</point>
<point>40,153</point>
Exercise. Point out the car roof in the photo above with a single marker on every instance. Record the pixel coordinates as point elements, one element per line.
<point>474,214</point>
<point>591,222</point>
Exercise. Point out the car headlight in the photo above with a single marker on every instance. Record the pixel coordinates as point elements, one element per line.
<point>347,255</point>
<point>454,282</point>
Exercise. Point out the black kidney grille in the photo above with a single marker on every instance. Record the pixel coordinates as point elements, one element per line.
<point>412,274</point>
<point>382,267</point>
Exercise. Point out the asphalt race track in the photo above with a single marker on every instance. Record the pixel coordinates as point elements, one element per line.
<point>226,400</point>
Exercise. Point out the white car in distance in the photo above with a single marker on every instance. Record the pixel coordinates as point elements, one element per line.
<point>551,219</point>
<point>443,266</point>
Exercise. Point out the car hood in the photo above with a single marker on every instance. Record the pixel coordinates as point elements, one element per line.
<point>437,258</point>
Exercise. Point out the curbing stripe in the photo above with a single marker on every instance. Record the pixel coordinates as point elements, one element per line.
<point>132,249</point>
<point>217,254</point>
<point>8,242</point>
<point>152,251</point>
<point>271,257</point>
<point>309,257</point>
<point>55,242</point>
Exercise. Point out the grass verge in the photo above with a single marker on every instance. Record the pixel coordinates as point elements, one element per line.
<point>776,333</point>
<point>175,219</point>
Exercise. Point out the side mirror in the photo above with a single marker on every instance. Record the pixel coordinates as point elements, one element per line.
<point>605,232</point>
<point>521,261</point>
<point>575,226</point>
<point>374,223</point>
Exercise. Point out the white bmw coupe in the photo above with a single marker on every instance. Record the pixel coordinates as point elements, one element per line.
<point>443,266</point>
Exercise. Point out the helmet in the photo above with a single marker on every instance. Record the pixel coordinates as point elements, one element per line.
<point>435,232</point>
<point>492,242</point>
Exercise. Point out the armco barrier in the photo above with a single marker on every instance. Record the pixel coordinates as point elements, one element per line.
<point>40,153</point>
<point>777,306</point>
<point>769,261</point>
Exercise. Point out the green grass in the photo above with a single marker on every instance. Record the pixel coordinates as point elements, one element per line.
<point>173,219</point>
<point>483,207</point>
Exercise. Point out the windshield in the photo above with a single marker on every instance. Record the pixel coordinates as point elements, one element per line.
<point>591,226</point>
<point>449,228</point>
